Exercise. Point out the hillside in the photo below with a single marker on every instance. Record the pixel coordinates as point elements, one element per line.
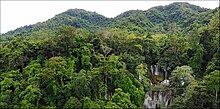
<point>155,20</point>
<point>164,57</point>
<point>77,18</point>
<point>159,19</point>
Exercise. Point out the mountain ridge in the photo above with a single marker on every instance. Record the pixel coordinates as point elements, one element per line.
<point>146,20</point>
<point>61,64</point>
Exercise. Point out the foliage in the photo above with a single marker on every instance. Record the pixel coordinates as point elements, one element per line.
<point>80,59</point>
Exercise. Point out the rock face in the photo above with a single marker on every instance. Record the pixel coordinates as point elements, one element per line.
<point>161,95</point>
<point>157,74</point>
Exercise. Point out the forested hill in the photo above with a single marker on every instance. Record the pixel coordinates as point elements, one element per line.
<point>158,19</point>
<point>77,18</point>
<point>164,57</point>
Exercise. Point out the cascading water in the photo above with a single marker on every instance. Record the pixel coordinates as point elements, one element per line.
<point>148,103</point>
<point>156,70</point>
<point>159,97</point>
<point>152,69</point>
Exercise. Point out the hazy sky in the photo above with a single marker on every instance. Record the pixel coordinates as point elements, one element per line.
<point>15,14</point>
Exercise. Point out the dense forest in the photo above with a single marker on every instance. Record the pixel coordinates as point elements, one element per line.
<point>166,56</point>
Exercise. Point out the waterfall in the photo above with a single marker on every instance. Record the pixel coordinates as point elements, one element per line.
<point>162,94</point>
<point>166,104</point>
<point>164,98</point>
<point>152,69</point>
<point>161,97</point>
<point>156,69</point>
<point>148,102</point>
<point>166,82</point>
<point>165,75</point>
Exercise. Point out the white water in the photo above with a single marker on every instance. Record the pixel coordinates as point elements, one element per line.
<point>156,70</point>
<point>158,97</point>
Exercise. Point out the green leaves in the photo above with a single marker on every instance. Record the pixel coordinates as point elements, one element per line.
<point>142,71</point>
<point>65,67</point>
<point>196,60</point>
<point>181,78</point>
<point>122,99</point>
<point>88,103</point>
<point>73,103</point>
<point>31,95</point>
<point>213,80</point>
